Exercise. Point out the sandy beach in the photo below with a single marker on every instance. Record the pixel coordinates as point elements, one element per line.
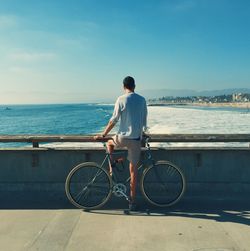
<point>243,105</point>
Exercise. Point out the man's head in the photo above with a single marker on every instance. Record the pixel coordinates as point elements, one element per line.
<point>129,83</point>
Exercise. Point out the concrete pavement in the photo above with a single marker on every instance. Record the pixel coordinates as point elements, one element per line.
<point>204,227</point>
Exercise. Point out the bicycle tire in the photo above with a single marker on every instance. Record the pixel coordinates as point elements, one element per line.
<point>163,184</point>
<point>88,186</point>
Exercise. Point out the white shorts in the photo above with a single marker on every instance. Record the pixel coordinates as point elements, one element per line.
<point>133,146</point>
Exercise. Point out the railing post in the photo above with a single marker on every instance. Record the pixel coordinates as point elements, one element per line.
<point>35,144</point>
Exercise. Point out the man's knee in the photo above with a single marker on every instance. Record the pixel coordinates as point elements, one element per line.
<point>110,143</point>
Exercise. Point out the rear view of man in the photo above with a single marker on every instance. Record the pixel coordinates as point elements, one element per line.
<point>131,110</point>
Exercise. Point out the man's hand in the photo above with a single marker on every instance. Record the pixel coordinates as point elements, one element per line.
<point>98,137</point>
<point>108,128</point>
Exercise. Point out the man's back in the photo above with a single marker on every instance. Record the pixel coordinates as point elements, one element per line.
<point>131,108</point>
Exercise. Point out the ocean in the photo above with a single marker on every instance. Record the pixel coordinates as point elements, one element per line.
<point>86,119</point>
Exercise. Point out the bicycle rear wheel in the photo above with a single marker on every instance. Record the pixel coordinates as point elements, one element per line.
<point>88,186</point>
<point>163,184</point>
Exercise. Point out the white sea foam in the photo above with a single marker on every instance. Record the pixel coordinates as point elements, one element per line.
<point>181,120</point>
<point>73,145</point>
<point>105,104</point>
<point>187,120</point>
<point>165,120</point>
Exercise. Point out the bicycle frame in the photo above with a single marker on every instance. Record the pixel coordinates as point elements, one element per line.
<point>171,190</point>
<point>146,161</point>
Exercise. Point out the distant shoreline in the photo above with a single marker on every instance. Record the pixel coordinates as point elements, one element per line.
<point>243,105</point>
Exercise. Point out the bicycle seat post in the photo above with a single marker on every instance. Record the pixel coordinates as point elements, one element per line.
<point>105,146</point>
<point>148,151</point>
<point>147,142</point>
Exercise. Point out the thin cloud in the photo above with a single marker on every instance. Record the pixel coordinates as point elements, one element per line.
<point>185,5</point>
<point>85,25</point>
<point>7,21</point>
<point>32,56</point>
<point>20,70</point>
<point>179,6</point>
<point>81,43</point>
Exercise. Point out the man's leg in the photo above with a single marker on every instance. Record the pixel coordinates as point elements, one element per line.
<point>110,147</point>
<point>134,153</point>
<point>133,181</point>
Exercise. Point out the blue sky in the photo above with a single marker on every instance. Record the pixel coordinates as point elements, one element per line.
<point>56,51</point>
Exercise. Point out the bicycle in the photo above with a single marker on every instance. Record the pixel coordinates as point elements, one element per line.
<point>89,185</point>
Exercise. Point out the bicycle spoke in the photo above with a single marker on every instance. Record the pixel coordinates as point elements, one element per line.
<point>79,195</point>
<point>88,186</point>
<point>163,184</point>
<point>170,171</point>
<point>99,187</point>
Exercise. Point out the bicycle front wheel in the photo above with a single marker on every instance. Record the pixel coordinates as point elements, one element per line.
<point>163,184</point>
<point>88,186</point>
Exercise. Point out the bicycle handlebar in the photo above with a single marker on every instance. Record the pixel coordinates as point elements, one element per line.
<point>145,138</point>
<point>103,140</point>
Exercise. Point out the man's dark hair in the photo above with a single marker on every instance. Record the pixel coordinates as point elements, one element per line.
<point>129,83</point>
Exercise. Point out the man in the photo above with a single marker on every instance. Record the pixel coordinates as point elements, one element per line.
<point>131,110</point>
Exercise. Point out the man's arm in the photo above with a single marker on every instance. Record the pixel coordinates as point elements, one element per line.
<point>108,128</point>
<point>112,122</point>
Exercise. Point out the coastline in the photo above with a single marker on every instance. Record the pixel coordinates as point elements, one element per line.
<point>243,105</point>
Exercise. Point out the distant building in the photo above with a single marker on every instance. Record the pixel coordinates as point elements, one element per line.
<point>237,97</point>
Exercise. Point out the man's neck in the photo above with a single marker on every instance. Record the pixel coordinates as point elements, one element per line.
<point>128,91</point>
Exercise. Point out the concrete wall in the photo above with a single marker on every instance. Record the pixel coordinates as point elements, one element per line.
<point>220,173</point>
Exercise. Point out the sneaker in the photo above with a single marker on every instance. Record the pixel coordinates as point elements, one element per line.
<point>132,207</point>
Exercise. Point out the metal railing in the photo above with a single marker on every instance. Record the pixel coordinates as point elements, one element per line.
<point>36,139</point>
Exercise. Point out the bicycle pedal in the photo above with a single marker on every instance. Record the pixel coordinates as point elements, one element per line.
<point>126,211</point>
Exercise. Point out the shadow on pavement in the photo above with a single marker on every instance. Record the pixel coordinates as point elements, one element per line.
<point>234,211</point>
<point>220,210</point>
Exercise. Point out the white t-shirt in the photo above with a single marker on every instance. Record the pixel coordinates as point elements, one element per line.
<point>131,109</point>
